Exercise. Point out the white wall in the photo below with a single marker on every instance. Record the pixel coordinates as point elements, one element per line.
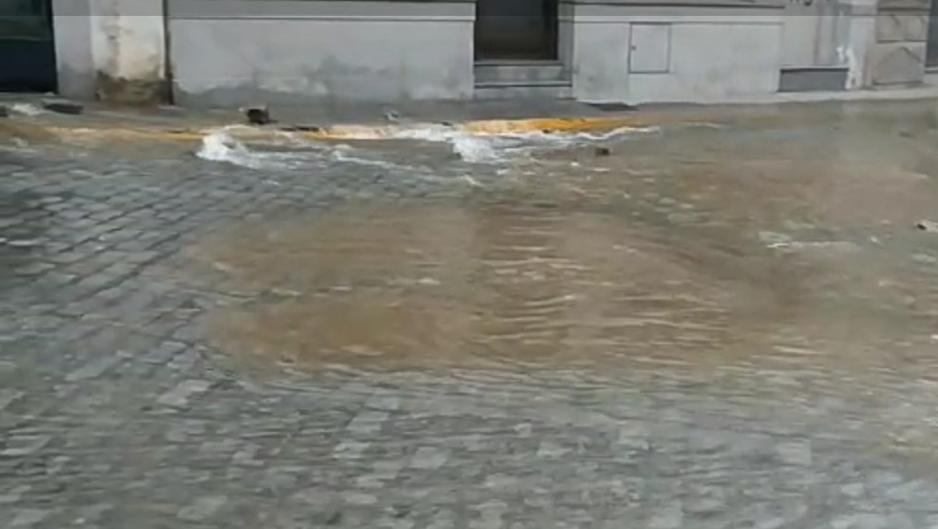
<point>228,52</point>
<point>111,49</point>
<point>600,61</point>
<point>128,38</point>
<point>709,57</point>
<point>715,61</point>
<point>861,40</point>
<point>840,33</point>
<point>71,24</point>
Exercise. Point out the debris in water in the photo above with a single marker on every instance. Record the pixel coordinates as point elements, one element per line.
<point>301,128</point>
<point>603,151</point>
<point>4,111</point>
<point>23,243</point>
<point>471,181</point>
<point>773,239</point>
<point>927,225</point>
<point>63,106</point>
<point>257,115</point>
<point>614,107</point>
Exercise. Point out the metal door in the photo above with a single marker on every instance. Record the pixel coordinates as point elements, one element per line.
<point>931,50</point>
<point>516,29</point>
<point>27,51</point>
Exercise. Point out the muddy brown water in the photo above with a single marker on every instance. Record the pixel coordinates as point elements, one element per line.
<point>438,285</point>
<point>768,237</point>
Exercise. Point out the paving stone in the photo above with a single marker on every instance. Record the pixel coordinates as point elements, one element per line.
<point>350,450</point>
<point>93,369</point>
<point>550,449</point>
<point>180,395</point>
<point>8,396</point>
<point>163,353</point>
<point>22,445</point>
<point>429,458</point>
<point>367,423</point>
<point>668,517</point>
<point>28,517</point>
<point>107,421</point>
<point>360,498</point>
<point>202,508</point>
<point>795,453</point>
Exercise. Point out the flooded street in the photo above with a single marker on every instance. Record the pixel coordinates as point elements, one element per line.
<point>694,244</point>
<point>720,317</point>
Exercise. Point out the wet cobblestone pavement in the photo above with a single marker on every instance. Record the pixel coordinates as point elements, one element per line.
<point>762,356</point>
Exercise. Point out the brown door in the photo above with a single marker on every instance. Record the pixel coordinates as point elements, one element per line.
<point>516,29</point>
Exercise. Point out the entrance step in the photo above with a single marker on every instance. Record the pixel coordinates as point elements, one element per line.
<point>506,71</point>
<point>506,79</point>
<point>529,90</point>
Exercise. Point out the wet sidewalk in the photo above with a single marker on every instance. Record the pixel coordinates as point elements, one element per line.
<point>726,318</point>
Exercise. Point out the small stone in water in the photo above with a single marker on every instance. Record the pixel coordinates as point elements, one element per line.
<point>257,115</point>
<point>63,106</point>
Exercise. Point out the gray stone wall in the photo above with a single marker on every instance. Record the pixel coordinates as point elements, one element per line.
<point>74,59</point>
<point>227,52</point>
<point>898,57</point>
<point>113,50</point>
<point>675,51</point>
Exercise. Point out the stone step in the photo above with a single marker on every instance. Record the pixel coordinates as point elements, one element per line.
<point>528,90</point>
<point>519,71</point>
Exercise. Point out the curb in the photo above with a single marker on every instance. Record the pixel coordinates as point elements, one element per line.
<point>348,132</point>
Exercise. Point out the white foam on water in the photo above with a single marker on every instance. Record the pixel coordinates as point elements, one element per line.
<point>706,125</point>
<point>220,146</point>
<point>342,154</point>
<point>494,148</point>
<point>469,147</point>
<point>436,133</point>
<point>474,149</point>
<point>27,109</point>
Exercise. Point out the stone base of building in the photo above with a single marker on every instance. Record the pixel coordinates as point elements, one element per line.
<point>234,52</point>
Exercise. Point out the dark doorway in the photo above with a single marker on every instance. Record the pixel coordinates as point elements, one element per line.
<point>27,51</point>
<point>516,29</point>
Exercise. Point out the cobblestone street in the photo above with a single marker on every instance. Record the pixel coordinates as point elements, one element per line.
<point>800,393</point>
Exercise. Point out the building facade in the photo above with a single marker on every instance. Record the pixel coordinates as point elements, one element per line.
<point>230,52</point>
